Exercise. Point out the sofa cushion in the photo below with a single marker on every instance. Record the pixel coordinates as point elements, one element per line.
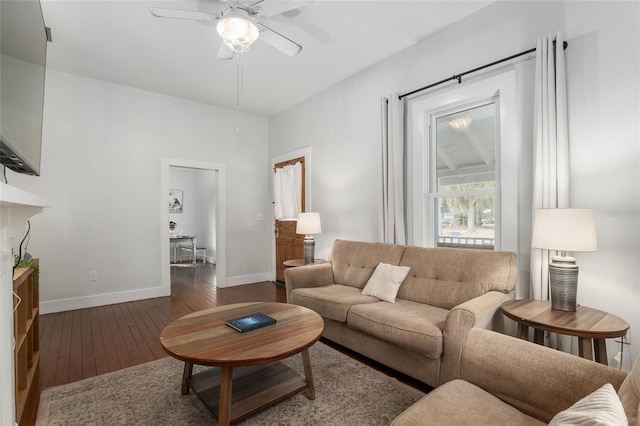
<point>385,282</point>
<point>601,407</point>
<point>353,262</point>
<point>446,277</point>
<point>330,301</point>
<point>629,393</point>
<point>414,326</point>
<point>461,403</point>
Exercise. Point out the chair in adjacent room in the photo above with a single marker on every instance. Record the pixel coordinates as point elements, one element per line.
<point>189,249</point>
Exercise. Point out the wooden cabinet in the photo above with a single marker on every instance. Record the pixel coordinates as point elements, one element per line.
<point>27,350</point>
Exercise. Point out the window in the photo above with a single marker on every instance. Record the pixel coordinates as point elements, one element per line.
<point>462,185</point>
<point>463,149</point>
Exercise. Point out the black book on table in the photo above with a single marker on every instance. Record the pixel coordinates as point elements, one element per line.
<point>250,322</point>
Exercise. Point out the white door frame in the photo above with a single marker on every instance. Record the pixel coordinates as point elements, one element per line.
<point>221,245</point>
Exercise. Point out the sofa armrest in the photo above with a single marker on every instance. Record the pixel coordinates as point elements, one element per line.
<point>308,276</point>
<point>482,312</point>
<point>536,380</point>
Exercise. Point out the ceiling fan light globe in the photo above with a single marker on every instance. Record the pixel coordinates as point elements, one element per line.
<point>237,33</point>
<point>461,123</point>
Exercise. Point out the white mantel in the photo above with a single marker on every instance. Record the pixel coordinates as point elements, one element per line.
<point>16,207</point>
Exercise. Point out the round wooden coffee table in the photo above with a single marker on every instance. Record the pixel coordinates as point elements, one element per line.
<point>203,338</point>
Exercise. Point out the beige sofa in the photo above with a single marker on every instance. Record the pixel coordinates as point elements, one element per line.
<point>508,381</point>
<point>446,293</point>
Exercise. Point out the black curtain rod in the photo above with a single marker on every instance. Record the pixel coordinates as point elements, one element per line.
<point>459,76</point>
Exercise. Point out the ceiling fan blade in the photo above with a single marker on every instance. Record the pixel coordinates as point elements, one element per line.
<point>225,53</point>
<point>306,25</point>
<point>278,41</point>
<point>182,14</point>
<point>271,8</point>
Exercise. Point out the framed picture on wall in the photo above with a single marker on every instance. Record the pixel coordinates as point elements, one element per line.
<point>175,201</point>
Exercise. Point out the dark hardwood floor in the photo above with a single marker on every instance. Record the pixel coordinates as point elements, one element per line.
<point>79,344</point>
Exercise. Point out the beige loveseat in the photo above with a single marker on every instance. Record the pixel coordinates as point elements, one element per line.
<point>446,293</point>
<point>508,381</point>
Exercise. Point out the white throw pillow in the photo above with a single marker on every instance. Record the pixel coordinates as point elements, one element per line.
<point>385,281</point>
<point>602,407</point>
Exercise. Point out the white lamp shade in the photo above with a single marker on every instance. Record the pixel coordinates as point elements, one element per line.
<point>308,223</point>
<point>564,230</point>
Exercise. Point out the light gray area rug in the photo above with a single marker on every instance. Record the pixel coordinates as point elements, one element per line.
<point>347,393</point>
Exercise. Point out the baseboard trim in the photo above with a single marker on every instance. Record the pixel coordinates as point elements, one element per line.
<point>246,279</point>
<point>62,305</point>
<point>71,304</point>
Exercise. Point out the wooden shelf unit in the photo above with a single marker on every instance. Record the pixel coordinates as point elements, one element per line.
<point>26,331</point>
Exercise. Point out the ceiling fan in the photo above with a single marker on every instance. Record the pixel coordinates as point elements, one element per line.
<point>240,24</point>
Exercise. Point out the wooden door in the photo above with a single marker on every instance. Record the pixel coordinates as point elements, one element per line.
<point>289,245</point>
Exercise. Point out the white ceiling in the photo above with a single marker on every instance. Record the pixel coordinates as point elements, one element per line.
<point>119,41</point>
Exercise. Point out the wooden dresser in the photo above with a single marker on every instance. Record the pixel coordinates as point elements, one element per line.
<point>27,350</point>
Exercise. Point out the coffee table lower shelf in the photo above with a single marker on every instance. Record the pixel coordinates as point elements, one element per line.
<point>253,388</point>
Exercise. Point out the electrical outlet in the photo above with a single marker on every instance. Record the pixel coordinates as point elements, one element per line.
<point>93,275</point>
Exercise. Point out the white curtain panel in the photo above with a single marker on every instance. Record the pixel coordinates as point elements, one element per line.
<point>287,191</point>
<point>551,150</point>
<point>393,229</point>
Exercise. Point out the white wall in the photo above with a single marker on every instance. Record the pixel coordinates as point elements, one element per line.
<point>207,197</point>
<point>604,91</point>
<point>186,180</point>
<point>342,125</point>
<point>101,166</point>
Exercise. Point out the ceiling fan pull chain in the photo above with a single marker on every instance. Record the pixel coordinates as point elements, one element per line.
<point>240,76</point>
<point>238,90</point>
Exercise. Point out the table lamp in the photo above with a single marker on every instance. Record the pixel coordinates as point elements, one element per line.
<point>564,230</point>
<point>308,224</point>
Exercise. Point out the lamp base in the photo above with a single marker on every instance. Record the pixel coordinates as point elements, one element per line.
<point>309,245</point>
<point>563,278</point>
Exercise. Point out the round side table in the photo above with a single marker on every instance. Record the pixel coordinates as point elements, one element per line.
<point>591,326</point>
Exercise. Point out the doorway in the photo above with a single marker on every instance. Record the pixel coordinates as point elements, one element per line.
<point>287,244</point>
<point>216,171</point>
<point>192,202</point>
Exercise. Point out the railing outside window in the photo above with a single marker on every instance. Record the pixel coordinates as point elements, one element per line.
<point>479,243</point>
